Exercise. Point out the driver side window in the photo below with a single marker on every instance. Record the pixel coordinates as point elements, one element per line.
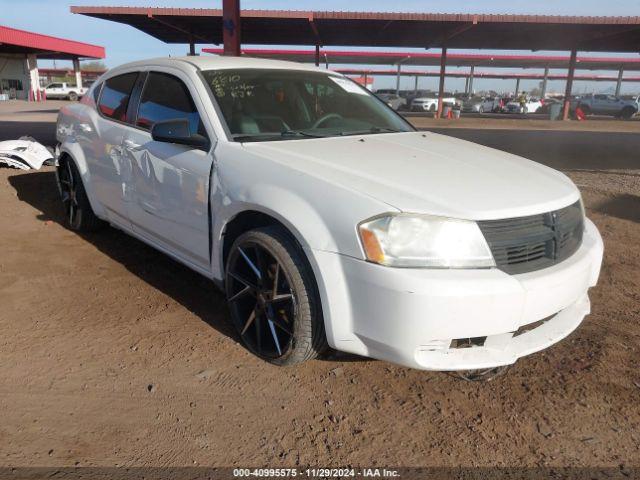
<point>166,97</point>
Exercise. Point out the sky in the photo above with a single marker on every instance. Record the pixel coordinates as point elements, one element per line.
<point>124,43</point>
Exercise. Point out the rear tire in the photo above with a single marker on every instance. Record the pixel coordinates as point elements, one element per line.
<point>73,96</point>
<point>79,215</point>
<point>273,299</point>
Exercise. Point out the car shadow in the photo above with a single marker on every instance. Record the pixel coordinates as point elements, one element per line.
<point>193,291</point>
<point>624,206</point>
<point>196,293</point>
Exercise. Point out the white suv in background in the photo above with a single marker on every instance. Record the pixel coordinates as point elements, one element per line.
<point>429,104</point>
<point>326,218</point>
<point>64,91</point>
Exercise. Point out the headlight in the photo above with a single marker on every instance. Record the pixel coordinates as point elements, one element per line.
<point>424,241</point>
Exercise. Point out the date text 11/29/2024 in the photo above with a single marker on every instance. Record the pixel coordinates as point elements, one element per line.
<point>315,472</point>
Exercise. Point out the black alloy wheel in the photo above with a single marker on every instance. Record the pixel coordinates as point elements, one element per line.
<point>272,298</point>
<point>79,215</point>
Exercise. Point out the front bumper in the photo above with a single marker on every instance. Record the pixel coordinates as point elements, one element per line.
<point>411,316</point>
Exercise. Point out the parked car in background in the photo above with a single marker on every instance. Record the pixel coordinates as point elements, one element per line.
<point>394,101</point>
<point>64,90</point>
<point>430,103</point>
<point>490,105</point>
<point>532,105</point>
<point>325,217</point>
<point>603,104</point>
<point>473,104</point>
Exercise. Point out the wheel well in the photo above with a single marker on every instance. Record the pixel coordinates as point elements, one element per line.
<point>243,222</point>
<point>64,157</point>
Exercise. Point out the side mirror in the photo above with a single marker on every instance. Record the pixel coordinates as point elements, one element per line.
<point>177,131</point>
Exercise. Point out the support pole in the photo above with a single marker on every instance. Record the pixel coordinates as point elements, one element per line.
<point>34,77</point>
<point>192,48</point>
<point>415,86</point>
<point>619,84</point>
<point>398,79</point>
<point>231,27</point>
<point>78,72</point>
<point>466,85</point>
<point>544,82</point>
<point>473,69</point>
<point>317,54</point>
<point>570,76</point>
<point>443,71</point>
<point>517,87</point>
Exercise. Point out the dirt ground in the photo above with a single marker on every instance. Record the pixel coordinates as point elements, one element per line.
<point>111,354</point>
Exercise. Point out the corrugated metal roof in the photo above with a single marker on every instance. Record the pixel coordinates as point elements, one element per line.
<point>13,40</point>
<point>383,29</point>
<point>359,15</point>
<point>433,59</point>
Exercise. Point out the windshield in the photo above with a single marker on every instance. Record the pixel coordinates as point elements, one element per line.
<point>267,105</point>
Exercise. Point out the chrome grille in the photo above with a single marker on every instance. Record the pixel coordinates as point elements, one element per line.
<point>526,244</point>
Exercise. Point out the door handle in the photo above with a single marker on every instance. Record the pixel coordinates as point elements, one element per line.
<point>131,145</point>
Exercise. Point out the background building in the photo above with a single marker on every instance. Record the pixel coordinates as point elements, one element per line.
<point>19,54</point>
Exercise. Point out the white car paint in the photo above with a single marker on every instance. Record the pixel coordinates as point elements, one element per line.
<point>531,106</point>
<point>429,104</point>
<point>24,154</point>
<point>321,189</point>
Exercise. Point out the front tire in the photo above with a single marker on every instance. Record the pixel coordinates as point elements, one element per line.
<point>273,299</point>
<point>628,113</point>
<point>79,215</point>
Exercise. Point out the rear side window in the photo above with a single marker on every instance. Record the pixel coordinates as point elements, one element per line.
<point>115,96</point>
<point>166,97</point>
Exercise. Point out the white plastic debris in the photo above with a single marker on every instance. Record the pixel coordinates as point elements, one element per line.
<point>25,154</point>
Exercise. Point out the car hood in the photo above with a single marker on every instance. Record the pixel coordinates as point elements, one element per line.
<point>428,173</point>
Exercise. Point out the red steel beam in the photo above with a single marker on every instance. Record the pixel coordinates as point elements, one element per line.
<point>485,75</point>
<point>231,27</point>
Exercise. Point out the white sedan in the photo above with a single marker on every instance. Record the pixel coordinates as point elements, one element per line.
<point>530,106</point>
<point>328,220</point>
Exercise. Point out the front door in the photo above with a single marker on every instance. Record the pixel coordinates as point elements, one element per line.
<point>169,183</point>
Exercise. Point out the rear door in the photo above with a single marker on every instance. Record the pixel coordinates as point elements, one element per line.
<point>109,170</point>
<point>169,183</point>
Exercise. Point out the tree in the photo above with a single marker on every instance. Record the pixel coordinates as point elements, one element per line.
<point>93,66</point>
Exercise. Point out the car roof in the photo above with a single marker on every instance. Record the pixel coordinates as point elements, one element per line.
<point>215,62</point>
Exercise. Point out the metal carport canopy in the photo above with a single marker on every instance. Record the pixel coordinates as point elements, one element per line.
<point>425,59</point>
<point>15,41</point>
<point>383,29</point>
<point>481,75</point>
